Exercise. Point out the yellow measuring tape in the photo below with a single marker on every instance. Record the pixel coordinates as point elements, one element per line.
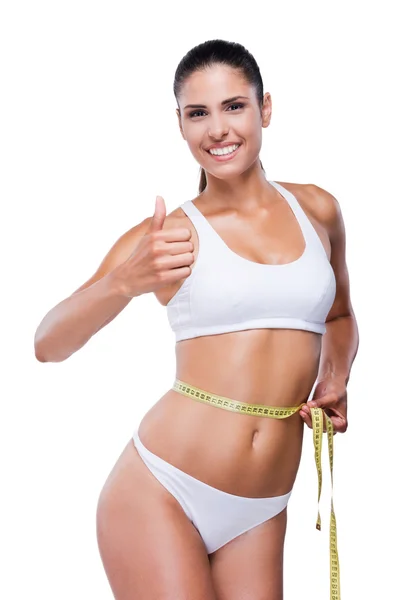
<point>282,412</point>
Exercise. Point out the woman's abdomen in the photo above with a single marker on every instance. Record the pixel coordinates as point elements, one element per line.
<point>240,454</point>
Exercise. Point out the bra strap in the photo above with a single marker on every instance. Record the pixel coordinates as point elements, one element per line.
<point>309,232</point>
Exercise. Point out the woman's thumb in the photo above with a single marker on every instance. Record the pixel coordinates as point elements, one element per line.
<point>160,212</point>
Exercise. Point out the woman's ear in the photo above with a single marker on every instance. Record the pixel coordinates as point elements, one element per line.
<point>266,110</point>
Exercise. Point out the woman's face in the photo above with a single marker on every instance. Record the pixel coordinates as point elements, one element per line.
<point>210,121</point>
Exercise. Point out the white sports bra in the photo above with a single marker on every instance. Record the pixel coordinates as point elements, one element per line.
<point>226,292</point>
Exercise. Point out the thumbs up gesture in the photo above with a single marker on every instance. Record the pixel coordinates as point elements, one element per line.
<point>162,256</point>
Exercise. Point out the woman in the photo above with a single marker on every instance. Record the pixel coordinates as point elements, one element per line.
<point>252,273</point>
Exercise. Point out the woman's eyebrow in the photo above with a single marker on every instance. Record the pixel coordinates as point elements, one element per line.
<point>222,103</point>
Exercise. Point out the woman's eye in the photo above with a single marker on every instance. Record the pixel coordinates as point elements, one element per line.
<point>196,112</point>
<point>239,105</point>
<point>192,114</point>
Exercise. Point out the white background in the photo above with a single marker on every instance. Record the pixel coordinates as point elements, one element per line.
<point>89,137</point>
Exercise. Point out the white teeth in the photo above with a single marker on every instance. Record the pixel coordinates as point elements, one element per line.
<point>222,151</point>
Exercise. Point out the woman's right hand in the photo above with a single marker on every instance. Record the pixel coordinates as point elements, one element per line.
<point>161,257</point>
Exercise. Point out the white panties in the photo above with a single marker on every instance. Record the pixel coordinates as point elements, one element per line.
<point>218,516</point>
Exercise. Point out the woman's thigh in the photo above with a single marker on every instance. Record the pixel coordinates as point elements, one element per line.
<point>250,567</point>
<point>149,548</point>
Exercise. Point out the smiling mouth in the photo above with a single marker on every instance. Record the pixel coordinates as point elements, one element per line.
<point>224,153</point>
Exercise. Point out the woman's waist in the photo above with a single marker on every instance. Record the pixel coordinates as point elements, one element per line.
<point>255,384</point>
<point>248,454</point>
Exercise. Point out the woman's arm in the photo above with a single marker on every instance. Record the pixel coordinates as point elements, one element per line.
<point>70,324</point>
<point>341,339</point>
<point>340,342</point>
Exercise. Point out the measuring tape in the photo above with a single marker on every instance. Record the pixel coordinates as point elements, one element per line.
<point>282,412</point>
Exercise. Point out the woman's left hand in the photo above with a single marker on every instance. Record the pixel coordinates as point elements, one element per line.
<point>331,396</point>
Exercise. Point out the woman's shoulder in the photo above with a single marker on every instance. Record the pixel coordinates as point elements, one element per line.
<point>318,202</point>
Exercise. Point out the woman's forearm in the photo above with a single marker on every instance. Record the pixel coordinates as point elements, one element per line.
<point>71,323</point>
<point>339,348</point>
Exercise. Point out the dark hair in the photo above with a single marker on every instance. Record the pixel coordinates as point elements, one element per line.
<point>219,52</point>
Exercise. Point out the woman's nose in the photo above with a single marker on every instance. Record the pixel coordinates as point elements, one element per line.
<point>218,128</point>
